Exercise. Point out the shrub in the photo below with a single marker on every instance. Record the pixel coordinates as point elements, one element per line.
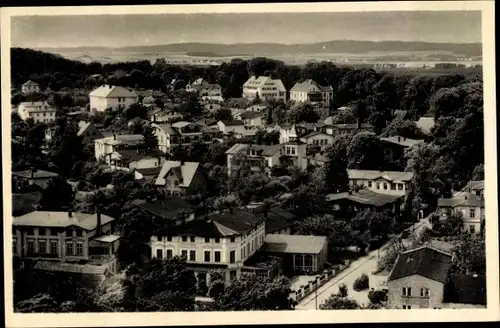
<point>361,283</point>
<point>327,266</point>
<point>342,291</point>
<point>377,296</point>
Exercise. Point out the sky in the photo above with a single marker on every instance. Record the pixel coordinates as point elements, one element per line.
<point>288,28</point>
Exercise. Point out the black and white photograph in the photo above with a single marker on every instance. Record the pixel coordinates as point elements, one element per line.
<point>239,159</point>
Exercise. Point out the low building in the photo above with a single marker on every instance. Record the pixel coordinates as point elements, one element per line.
<point>348,203</point>
<point>39,111</point>
<point>250,118</point>
<point>180,134</point>
<point>212,93</point>
<point>318,138</point>
<point>197,85</point>
<point>264,87</point>
<point>385,182</point>
<point>113,97</point>
<point>181,178</point>
<point>164,115</point>
<point>318,159</point>
<point>294,131</point>
<point>300,254</point>
<point>469,205</point>
<point>421,279</point>
<point>36,177</point>
<point>80,238</point>
<point>174,210</point>
<point>136,159</point>
<point>30,87</point>
<point>310,91</point>
<point>231,126</point>
<point>260,158</point>
<point>104,147</point>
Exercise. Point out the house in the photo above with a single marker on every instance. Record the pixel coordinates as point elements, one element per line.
<point>337,129</point>
<point>106,146</point>
<point>147,174</point>
<point>318,138</point>
<point>39,111</point>
<point>385,182</point>
<point>260,108</point>
<point>231,126</point>
<point>426,124</point>
<point>114,97</point>
<point>30,86</point>
<point>136,159</point>
<point>211,93</point>
<point>180,134</point>
<point>470,205</point>
<point>278,220</point>
<point>348,203</point>
<point>197,85</point>
<point>318,159</point>
<point>300,254</point>
<point>310,91</point>
<point>288,131</point>
<point>65,237</point>
<point>474,186</point>
<point>421,279</point>
<point>259,158</point>
<point>181,178</point>
<point>401,141</point>
<point>294,152</point>
<point>174,210</point>
<point>89,132</point>
<point>36,177</point>
<point>164,116</point>
<point>251,118</point>
<point>264,87</point>
<point>220,240</point>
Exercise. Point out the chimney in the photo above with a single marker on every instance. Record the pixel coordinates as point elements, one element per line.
<point>98,229</point>
<point>70,213</point>
<point>357,124</point>
<point>114,136</point>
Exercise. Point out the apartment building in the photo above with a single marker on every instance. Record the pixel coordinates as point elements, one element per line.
<point>109,96</point>
<point>384,182</point>
<point>470,205</point>
<point>39,111</point>
<point>310,91</point>
<point>264,87</point>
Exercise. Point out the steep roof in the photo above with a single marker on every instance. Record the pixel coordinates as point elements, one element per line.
<point>426,124</point>
<point>184,171</point>
<point>82,127</point>
<point>365,197</point>
<point>402,141</point>
<point>219,224</point>
<point>131,155</point>
<point>294,244</point>
<point>167,128</point>
<point>463,199</point>
<point>424,261</point>
<point>315,133</point>
<point>372,175</point>
<point>169,208</point>
<point>465,289</point>
<point>310,86</point>
<point>29,83</point>
<point>111,91</point>
<point>60,219</point>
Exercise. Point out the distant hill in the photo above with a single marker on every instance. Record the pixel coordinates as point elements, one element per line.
<point>257,49</point>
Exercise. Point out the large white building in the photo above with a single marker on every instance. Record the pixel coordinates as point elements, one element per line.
<point>264,87</point>
<point>114,97</point>
<point>384,182</point>
<point>39,111</point>
<point>310,91</point>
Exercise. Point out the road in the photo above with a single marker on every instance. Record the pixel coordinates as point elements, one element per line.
<point>366,264</point>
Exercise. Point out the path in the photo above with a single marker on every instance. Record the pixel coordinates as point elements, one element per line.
<point>366,264</point>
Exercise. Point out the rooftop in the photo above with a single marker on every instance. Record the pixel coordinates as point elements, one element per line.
<point>294,244</point>
<point>424,261</point>
<point>184,171</point>
<point>310,86</point>
<point>111,91</point>
<point>118,139</point>
<point>396,176</point>
<point>365,197</point>
<point>60,219</point>
<point>71,268</point>
<point>232,122</point>
<point>169,208</point>
<point>402,141</point>
<point>462,199</point>
<point>261,150</point>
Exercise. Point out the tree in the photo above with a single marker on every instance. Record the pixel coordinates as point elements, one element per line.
<point>366,152</point>
<point>66,147</point>
<point>336,177</point>
<point>342,291</point>
<point>191,107</point>
<point>404,128</point>
<point>150,139</point>
<point>57,196</point>
<point>470,254</point>
<point>377,296</point>
<point>386,262</point>
<point>451,226</point>
<point>304,112</point>
<point>217,283</point>
<point>223,114</point>
<point>478,173</point>
<point>336,302</point>
<point>250,292</point>
<point>361,283</point>
<point>338,232</point>
<point>136,110</point>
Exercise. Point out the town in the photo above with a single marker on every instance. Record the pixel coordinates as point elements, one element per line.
<point>253,185</point>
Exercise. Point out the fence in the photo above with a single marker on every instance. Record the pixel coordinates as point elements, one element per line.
<point>320,280</point>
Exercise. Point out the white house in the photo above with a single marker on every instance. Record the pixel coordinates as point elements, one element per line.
<point>39,111</point>
<point>310,91</point>
<point>30,86</point>
<point>385,182</point>
<point>251,118</point>
<point>318,138</point>
<point>114,97</point>
<point>231,126</point>
<point>104,147</point>
<point>260,158</point>
<point>197,85</point>
<point>470,205</point>
<point>212,92</point>
<point>264,87</point>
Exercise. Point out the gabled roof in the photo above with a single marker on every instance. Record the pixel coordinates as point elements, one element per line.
<point>167,128</point>
<point>310,86</point>
<point>262,150</point>
<point>169,208</point>
<point>387,175</point>
<point>30,83</point>
<point>365,197</point>
<point>465,289</point>
<point>424,261</point>
<point>60,219</point>
<point>294,244</point>
<point>232,122</point>
<point>261,81</point>
<point>402,141</point>
<point>111,91</point>
<point>82,127</point>
<point>463,199</point>
<point>315,133</point>
<point>184,171</point>
<point>474,185</point>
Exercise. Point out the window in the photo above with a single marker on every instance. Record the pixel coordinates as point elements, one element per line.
<point>288,150</point>
<point>472,228</point>
<point>184,253</point>
<point>69,232</point>
<point>233,239</point>
<point>232,256</point>
<point>31,246</point>
<point>169,238</point>
<point>406,291</point>
<point>406,307</point>
<point>184,238</point>
<point>53,231</point>
<point>217,256</point>
<point>169,254</point>
<point>217,240</point>
<point>79,248</point>
<point>160,238</point>
<point>78,232</point>
<point>293,150</point>
<point>192,239</point>
<point>54,247</point>
<point>207,239</point>
<point>400,186</point>
<point>378,185</point>
<point>472,213</point>
<point>192,256</point>
<point>30,231</point>
<point>369,184</point>
<point>159,253</point>
<point>385,186</point>
<point>42,246</point>
<point>393,186</point>
<point>69,248</point>
<point>248,248</point>
<point>42,231</point>
<point>232,274</point>
<point>176,183</point>
<point>207,256</point>
<point>424,292</point>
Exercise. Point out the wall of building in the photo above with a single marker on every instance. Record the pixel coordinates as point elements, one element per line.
<point>320,139</point>
<point>377,185</point>
<point>396,300</point>
<point>100,104</point>
<point>147,163</point>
